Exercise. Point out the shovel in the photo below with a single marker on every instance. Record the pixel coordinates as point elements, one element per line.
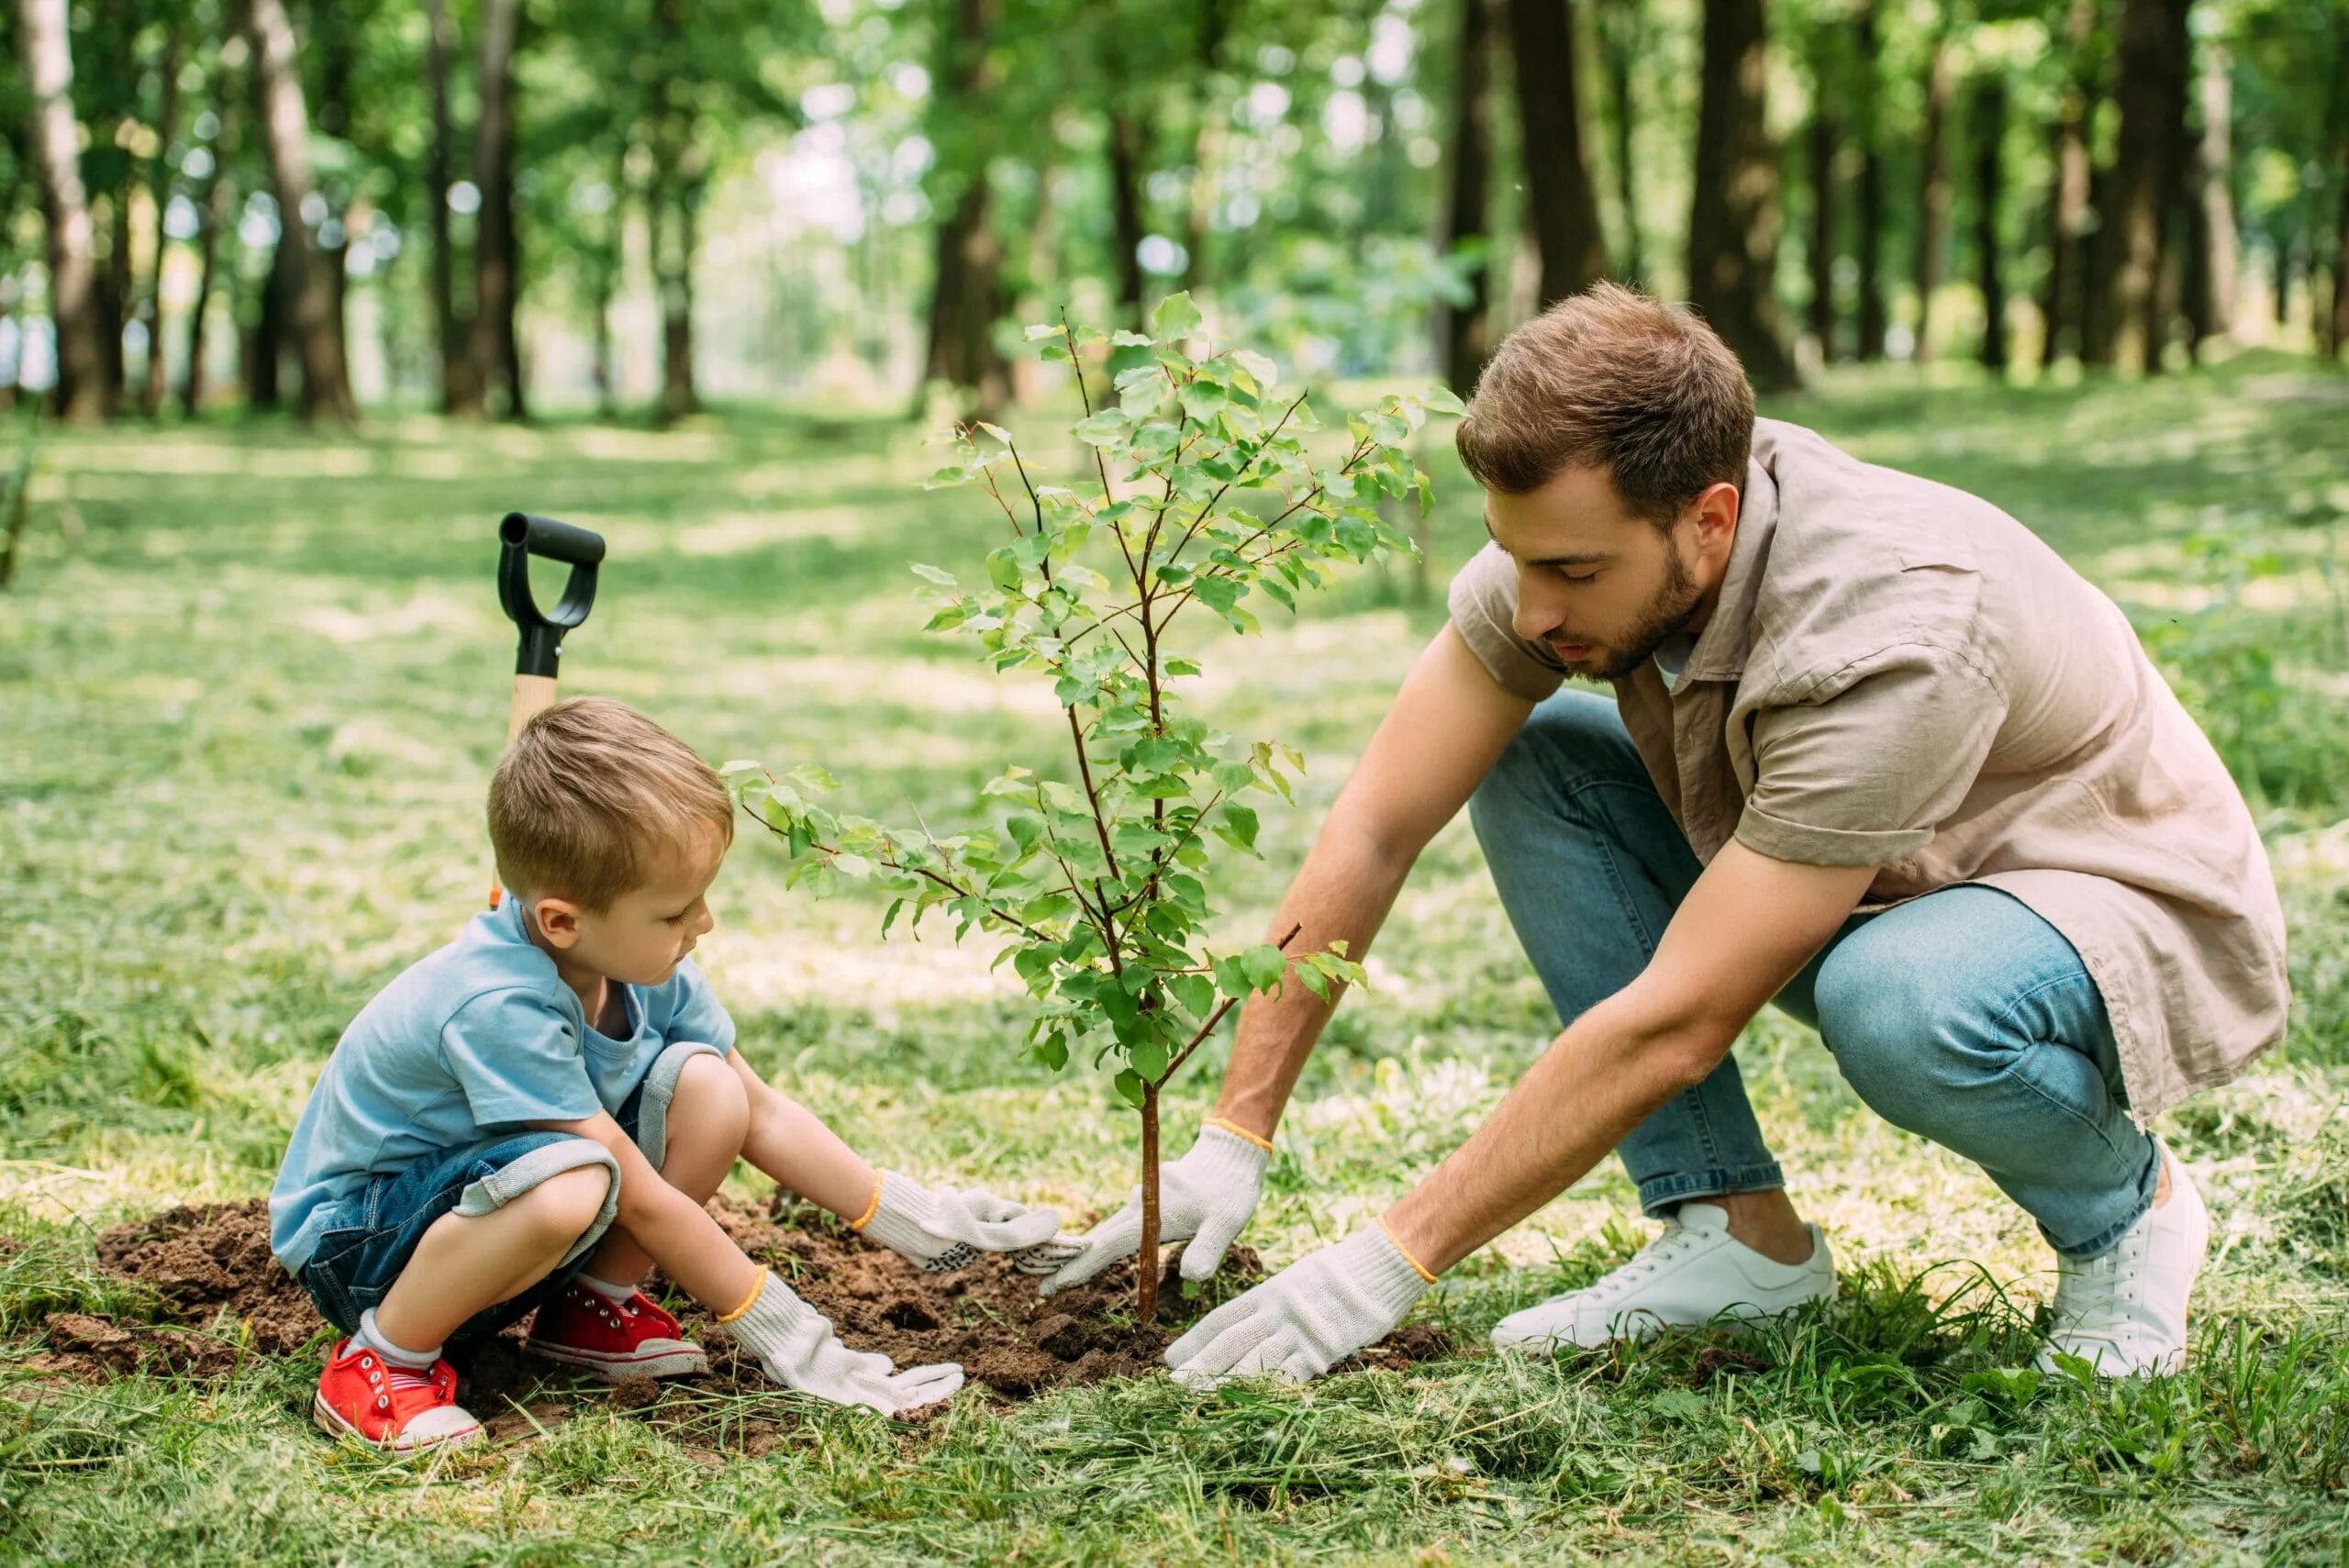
<point>539,653</point>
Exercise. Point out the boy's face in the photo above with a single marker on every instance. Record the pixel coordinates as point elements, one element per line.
<point>646,931</point>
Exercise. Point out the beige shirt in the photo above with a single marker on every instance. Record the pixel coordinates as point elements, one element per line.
<point>1902,675</point>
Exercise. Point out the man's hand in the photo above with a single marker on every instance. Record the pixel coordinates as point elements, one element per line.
<point>945,1231</point>
<point>798,1350</point>
<point>1205,1199</point>
<point>1306,1318</point>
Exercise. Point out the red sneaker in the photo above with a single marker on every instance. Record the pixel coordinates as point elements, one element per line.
<point>619,1339</point>
<point>364,1397</point>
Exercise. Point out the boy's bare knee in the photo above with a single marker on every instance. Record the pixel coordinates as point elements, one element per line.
<point>710,1095</point>
<point>566,1203</point>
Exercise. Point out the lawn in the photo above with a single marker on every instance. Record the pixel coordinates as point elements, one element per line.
<point>251,684</point>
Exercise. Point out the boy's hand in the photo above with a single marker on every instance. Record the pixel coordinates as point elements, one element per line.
<point>798,1348</point>
<point>947,1230</point>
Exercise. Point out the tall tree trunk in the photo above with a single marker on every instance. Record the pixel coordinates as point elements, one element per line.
<point>54,140</point>
<point>2337,335</point>
<point>1463,330</point>
<point>1125,213</point>
<point>2145,178</point>
<point>966,300</point>
<point>151,295</point>
<point>680,396</point>
<point>1621,24</point>
<point>1561,204</point>
<point>114,288</point>
<point>285,136</point>
<point>1207,142</point>
<point>216,213</point>
<point>1868,233</point>
<point>609,269</point>
<point>2063,307</point>
<point>2215,171</point>
<point>459,392</point>
<point>1988,129</point>
<point>1933,197</point>
<point>495,278</point>
<point>1733,220</point>
<point>265,361</point>
<point>1823,141</point>
<point>333,45</point>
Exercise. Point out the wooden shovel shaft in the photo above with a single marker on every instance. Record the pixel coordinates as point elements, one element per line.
<point>533,695</point>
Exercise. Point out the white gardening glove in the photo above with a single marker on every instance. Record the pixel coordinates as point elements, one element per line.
<point>1306,1318</point>
<point>946,1230</point>
<point>1206,1197</point>
<point>798,1348</point>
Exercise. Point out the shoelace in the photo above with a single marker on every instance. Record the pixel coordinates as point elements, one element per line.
<point>1674,1240</point>
<point>2088,1287</point>
<point>406,1380</point>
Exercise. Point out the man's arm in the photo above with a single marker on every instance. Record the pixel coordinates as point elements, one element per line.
<point>1450,723</point>
<point>1748,927</point>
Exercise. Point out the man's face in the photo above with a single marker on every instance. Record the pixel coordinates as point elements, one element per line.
<point>1601,586</point>
<point>648,929</point>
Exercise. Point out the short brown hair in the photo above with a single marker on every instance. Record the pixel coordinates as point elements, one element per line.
<point>589,791</point>
<point>1611,379</point>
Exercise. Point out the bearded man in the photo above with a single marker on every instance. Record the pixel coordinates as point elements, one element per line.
<point>1875,753</point>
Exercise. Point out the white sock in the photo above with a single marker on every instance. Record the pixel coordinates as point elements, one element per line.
<point>603,1287</point>
<point>375,1339</point>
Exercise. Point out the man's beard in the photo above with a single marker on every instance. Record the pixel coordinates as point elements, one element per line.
<point>1665,618</point>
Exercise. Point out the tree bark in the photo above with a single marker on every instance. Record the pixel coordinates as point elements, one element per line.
<point>53,137</point>
<point>115,289</point>
<point>1868,234</point>
<point>1562,205</point>
<point>2337,330</point>
<point>265,362</point>
<point>1621,24</point>
<point>2063,307</point>
<point>1207,142</point>
<point>1988,129</point>
<point>1823,141</point>
<point>1463,330</point>
<point>495,275</point>
<point>216,213</point>
<point>2215,171</point>
<point>966,296</point>
<point>460,393</point>
<point>1125,213</point>
<point>285,134</point>
<point>2144,181</point>
<point>1733,220</point>
<point>151,295</point>
<point>1933,197</point>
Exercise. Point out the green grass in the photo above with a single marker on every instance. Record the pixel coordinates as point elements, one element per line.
<point>251,682</point>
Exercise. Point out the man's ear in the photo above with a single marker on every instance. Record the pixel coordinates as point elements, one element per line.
<point>1715,512</point>
<point>557,921</point>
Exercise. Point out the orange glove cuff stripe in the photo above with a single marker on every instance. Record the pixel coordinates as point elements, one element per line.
<point>1238,1131</point>
<point>1418,1266</point>
<point>862,1220</point>
<point>752,1300</point>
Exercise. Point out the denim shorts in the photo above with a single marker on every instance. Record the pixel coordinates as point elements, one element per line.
<point>370,1235</point>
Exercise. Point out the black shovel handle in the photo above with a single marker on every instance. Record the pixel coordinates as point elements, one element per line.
<point>540,650</point>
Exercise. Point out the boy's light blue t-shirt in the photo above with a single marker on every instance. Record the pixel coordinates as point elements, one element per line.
<point>468,1045</point>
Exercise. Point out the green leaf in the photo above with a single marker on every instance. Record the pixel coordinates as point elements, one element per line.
<point>1104,427</point>
<point>1174,320</point>
<point>1443,400</point>
<point>933,574</point>
<point>1123,338</point>
<point>1130,1086</point>
<point>1195,992</point>
<point>1052,1051</point>
<point>1238,827</point>
<point>1150,1059</point>
<point>1042,330</point>
<point>1261,370</point>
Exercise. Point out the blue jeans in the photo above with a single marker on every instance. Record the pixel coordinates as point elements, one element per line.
<point>375,1231</point>
<point>1961,1016</point>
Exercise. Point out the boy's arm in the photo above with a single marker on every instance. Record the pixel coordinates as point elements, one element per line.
<point>679,1233</point>
<point>803,1155</point>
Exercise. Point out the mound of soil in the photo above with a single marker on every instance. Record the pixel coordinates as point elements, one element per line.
<point>208,1261</point>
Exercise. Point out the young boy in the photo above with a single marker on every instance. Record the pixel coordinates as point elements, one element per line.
<point>535,1114</point>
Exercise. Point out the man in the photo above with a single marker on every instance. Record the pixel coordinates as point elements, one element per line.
<point>1876,753</point>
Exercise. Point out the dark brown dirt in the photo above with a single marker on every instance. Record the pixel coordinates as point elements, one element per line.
<point>213,1267</point>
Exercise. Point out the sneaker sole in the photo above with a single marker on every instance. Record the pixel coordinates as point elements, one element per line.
<point>330,1421</point>
<point>618,1369</point>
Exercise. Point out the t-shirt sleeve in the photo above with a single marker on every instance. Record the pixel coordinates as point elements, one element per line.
<point>1867,775</point>
<point>1484,609</point>
<point>518,1060</point>
<point>695,1013</point>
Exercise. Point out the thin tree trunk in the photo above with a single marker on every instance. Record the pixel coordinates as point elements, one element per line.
<point>214,213</point>
<point>2337,328</point>
<point>1823,142</point>
<point>1561,204</point>
<point>53,136</point>
<point>150,296</point>
<point>1868,235</point>
<point>2217,202</point>
<point>285,134</point>
<point>1620,26</point>
<point>679,394</point>
<point>2063,307</point>
<point>966,298</point>
<point>1463,330</point>
<point>1932,200</point>
<point>1125,213</point>
<point>1146,1263</point>
<point>115,292</point>
<point>496,280</point>
<point>265,367</point>
<point>1733,220</point>
<point>2144,177</point>
<point>1207,143</point>
<point>1988,129</point>
<point>460,393</point>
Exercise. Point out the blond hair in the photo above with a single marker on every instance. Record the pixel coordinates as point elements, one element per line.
<point>1613,380</point>
<point>588,794</point>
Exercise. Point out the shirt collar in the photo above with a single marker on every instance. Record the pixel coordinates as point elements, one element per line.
<point>1720,652</point>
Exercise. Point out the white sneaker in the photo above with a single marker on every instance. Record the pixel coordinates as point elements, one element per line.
<point>2124,1312</point>
<point>1693,1273</point>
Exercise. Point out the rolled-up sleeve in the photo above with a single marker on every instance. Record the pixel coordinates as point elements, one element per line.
<point>1867,775</point>
<point>1483,602</point>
